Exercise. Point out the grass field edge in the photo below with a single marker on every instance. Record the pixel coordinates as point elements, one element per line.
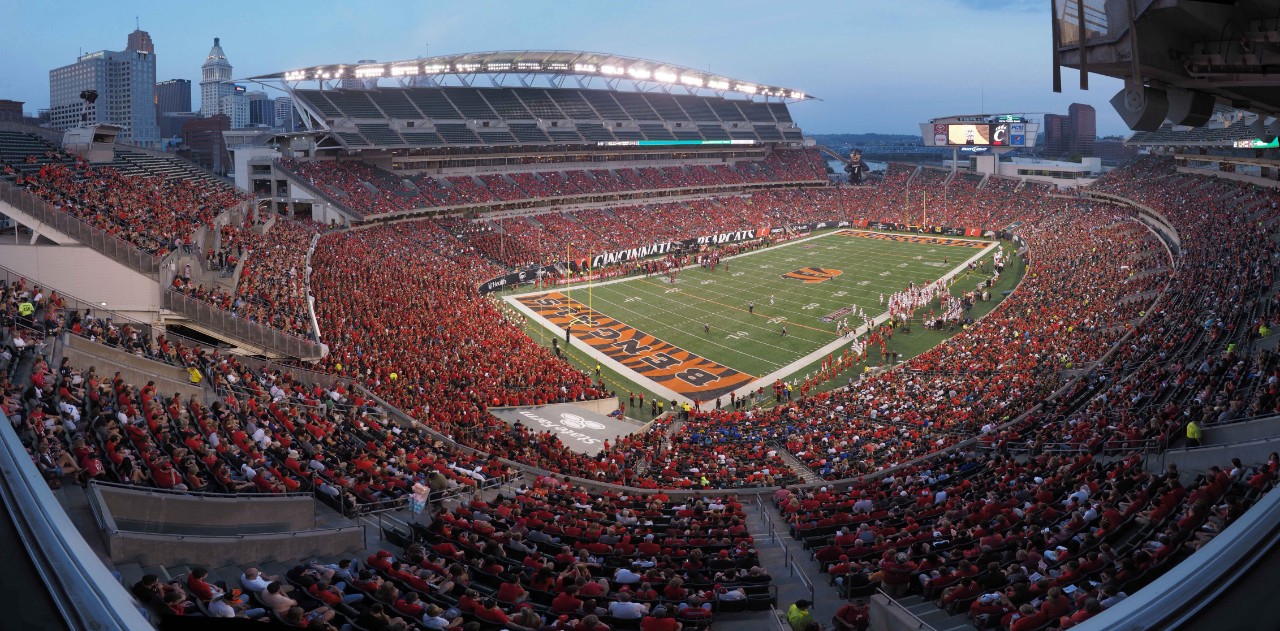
<point>766,380</point>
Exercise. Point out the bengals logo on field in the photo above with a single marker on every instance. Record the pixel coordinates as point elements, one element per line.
<point>813,274</point>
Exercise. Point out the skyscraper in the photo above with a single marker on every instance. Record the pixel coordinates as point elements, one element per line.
<point>285,118</point>
<point>173,95</point>
<point>1084,128</point>
<point>125,85</point>
<point>1057,135</point>
<point>262,111</point>
<point>215,80</point>
<point>203,137</point>
<point>140,40</point>
<point>235,106</point>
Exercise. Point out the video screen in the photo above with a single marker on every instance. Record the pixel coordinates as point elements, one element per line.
<point>969,134</point>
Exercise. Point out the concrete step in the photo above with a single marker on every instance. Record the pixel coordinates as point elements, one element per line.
<point>130,573</point>
<point>181,571</point>
<point>158,571</point>
<point>803,471</point>
<point>228,574</point>
<point>773,557</point>
<point>935,618</point>
<point>276,568</point>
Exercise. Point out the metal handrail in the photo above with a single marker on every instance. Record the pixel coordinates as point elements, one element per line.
<point>306,285</point>
<point>779,619</point>
<point>920,623</point>
<point>81,586</point>
<point>804,578</point>
<point>112,246</point>
<point>226,323</point>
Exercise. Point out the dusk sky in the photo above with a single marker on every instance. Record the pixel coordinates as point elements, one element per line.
<point>878,66</point>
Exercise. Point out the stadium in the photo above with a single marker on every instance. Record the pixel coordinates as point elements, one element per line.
<point>580,341</point>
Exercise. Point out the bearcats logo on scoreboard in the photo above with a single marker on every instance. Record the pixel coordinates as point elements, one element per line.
<point>813,274</point>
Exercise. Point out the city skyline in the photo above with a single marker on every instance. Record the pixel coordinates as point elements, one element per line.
<point>865,76</point>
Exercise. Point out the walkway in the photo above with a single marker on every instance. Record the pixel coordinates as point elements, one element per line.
<point>791,567</point>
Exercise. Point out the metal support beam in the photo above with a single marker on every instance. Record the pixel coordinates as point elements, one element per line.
<point>1056,28</point>
<point>1084,49</point>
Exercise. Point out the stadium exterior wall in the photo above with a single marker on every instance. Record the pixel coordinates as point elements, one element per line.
<point>186,511</point>
<point>170,550</point>
<point>87,274</point>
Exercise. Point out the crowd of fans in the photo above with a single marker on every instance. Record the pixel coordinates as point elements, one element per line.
<point>547,556</point>
<point>1050,535</point>
<point>152,213</point>
<point>360,186</point>
<point>1044,540</point>
<point>267,432</point>
<point>548,238</point>
<point>272,287</point>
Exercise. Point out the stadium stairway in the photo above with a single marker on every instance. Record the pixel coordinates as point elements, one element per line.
<point>789,564</point>
<point>913,175</point>
<point>928,613</point>
<point>800,468</point>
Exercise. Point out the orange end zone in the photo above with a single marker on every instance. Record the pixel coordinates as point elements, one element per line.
<point>679,370</point>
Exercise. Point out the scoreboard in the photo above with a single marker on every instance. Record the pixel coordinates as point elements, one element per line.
<point>980,134</point>
<point>1004,130</point>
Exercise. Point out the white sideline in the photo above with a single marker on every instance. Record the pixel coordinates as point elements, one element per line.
<point>765,381</point>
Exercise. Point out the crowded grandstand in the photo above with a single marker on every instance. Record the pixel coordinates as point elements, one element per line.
<point>332,330</point>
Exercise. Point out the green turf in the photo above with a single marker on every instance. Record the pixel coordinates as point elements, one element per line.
<point>859,259</point>
<point>752,342</point>
<point>920,339</point>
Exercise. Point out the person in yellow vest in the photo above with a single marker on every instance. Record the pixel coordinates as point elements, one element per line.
<point>1193,434</point>
<point>799,616</point>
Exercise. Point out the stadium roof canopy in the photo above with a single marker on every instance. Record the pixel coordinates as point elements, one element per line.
<point>522,67</point>
<point>1177,57</point>
<point>1227,127</point>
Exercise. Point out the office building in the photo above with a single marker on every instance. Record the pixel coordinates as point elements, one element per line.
<point>1056,135</point>
<point>1084,128</point>
<point>124,82</point>
<point>203,138</point>
<point>286,119</point>
<point>215,80</point>
<point>262,110</point>
<point>173,95</point>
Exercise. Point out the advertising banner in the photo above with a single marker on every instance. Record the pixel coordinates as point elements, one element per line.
<point>724,238</point>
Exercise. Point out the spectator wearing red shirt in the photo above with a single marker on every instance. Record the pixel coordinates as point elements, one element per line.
<point>490,612</point>
<point>566,601</point>
<point>410,605</point>
<point>854,616</point>
<point>510,591</point>
<point>660,620</point>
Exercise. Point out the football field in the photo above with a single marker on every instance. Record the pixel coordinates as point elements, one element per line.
<point>714,332</point>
